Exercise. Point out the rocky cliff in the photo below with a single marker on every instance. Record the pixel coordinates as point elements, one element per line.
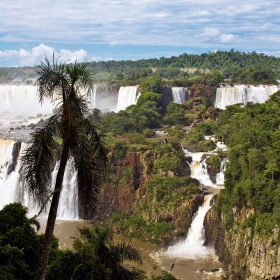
<point>126,191</point>
<point>246,253</point>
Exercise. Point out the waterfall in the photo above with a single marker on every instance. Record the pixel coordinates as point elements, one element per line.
<point>199,169</point>
<point>12,189</point>
<point>127,96</point>
<point>92,97</point>
<point>198,165</point>
<point>242,94</point>
<point>220,177</point>
<point>179,94</point>
<point>193,246</point>
<point>229,96</point>
<point>22,101</point>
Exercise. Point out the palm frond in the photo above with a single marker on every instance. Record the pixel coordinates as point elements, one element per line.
<point>128,272</point>
<point>37,161</point>
<point>90,157</point>
<point>51,80</point>
<point>126,252</point>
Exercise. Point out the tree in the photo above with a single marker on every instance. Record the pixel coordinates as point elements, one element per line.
<point>94,256</point>
<point>63,84</point>
<point>19,243</point>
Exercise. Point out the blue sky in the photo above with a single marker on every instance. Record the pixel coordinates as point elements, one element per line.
<point>132,30</point>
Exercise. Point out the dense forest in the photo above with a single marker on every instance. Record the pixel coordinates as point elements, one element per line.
<point>184,69</point>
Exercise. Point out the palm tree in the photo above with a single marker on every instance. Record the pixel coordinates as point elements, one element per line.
<point>95,257</point>
<point>63,84</point>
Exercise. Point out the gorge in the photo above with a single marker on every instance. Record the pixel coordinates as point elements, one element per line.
<point>130,190</point>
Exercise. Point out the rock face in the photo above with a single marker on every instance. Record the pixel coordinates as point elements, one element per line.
<point>245,253</point>
<point>199,90</point>
<point>126,190</point>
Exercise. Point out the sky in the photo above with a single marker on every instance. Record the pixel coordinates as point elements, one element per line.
<point>102,30</point>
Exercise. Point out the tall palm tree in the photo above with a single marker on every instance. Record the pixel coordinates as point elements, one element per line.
<point>96,257</point>
<point>63,84</point>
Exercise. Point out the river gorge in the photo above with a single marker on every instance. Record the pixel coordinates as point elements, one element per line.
<point>200,239</point>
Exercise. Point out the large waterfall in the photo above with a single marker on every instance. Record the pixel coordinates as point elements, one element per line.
<point>12,190</point>
<point>127,96</point>
<point>22,101</point>
<point>192,247</point>
<point>242,94</point>
<point>179,94</point>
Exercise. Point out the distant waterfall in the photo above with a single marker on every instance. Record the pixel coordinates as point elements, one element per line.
<point>127,96</point>
<point>92,97</point>
<point>179,94</point>
<point>22,100</point>
<point>242,94</point>
<point>12,190</point>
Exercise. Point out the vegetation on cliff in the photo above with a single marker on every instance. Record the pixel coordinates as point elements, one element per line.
<point>252,178</point>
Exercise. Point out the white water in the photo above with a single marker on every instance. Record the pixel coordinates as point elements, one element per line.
<point>193,247</point>
<point>179,94</point>
<point>11,189</point>
<point>198,165</point>
<point>92,97</point>
<point>242,94</point>
<point>22,101</point>
<point>127,96</point>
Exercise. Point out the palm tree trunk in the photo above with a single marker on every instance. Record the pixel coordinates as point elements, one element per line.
<point>42,269</point>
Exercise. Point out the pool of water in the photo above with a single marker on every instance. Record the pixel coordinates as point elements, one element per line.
<point>154,258</point>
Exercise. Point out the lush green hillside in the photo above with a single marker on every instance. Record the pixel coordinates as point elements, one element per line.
<point>179,67</point>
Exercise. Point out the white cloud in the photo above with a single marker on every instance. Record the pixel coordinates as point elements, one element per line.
<point>227,38</point>
<point>29,58</point>
<point>208,34</point>
<point>148,22</point>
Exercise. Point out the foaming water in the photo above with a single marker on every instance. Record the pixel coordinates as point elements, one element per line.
<point>242,94</point>
<point>127,96</point>
<point>179,94</point>
<point>193,247</point>
<point>12,188</point>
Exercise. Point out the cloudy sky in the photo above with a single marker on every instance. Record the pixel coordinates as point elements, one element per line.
<point>131,29</point>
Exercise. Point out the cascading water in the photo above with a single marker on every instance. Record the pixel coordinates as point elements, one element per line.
<point>127,96</point>
<point>199,169</point>
<point>92,97</point>
<point>191,252</point>
<point>179,94</point>
<point>12,189</point>
<point>22,101</point>
<point>192,247</point>
<point>242,94</point>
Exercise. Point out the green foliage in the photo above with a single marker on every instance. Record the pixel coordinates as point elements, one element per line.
<point>163,189</point>
<point>19,244</point>
<point>119,150</point>
<point>135,118</point>
<point>128,172</point>
<point>164,276</point>
<point>175,115</point>
<point>214,162</point>
<point>254,75</point>
<point>151,84</point>
<point>169,162</point>
<point>95,256</point>
<point>252,176</point>
<point>195,142</point>
<point>208,127</point>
